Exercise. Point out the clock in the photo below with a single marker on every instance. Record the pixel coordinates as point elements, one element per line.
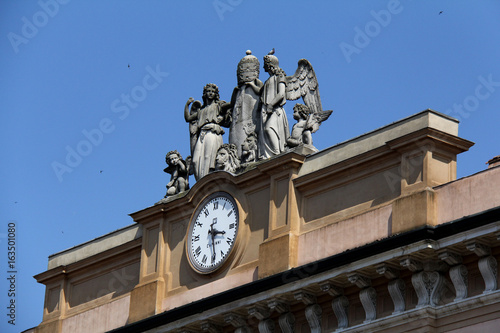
<point>212,233</point>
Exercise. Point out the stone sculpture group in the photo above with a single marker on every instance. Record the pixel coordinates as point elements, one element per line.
<point>255,116</point>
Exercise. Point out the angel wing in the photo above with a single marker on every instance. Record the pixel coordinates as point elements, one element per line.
<point>304,84</point>
<point>315,119</point>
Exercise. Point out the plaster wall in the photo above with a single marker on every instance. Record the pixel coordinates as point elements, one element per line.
<point>468,195</point>
<point>185,296</point>
<point>347,234</point>
<point>101,319</point>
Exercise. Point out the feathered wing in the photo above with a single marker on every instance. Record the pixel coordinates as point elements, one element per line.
<point>304,84</point>
<point>315,119</point>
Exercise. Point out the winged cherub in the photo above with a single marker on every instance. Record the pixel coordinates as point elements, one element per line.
<point>307,123</point>
<point>273,132</point>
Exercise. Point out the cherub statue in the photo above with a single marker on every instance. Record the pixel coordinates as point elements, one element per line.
<point>273,135</point>
<point>249,149</point>
<point>227,158</point>
<point>209,119</point>
<point>307,123</point>
<point>179,169</point>
<point>245,100</point>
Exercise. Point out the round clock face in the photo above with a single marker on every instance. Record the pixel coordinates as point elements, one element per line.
<point>212,232</point>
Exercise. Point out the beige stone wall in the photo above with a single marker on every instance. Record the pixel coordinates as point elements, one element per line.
<point>99,319</point>
<point>469,195</point>
<point>295,209</point>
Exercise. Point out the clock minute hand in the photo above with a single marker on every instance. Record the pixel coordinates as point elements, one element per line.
<point>212,233</point>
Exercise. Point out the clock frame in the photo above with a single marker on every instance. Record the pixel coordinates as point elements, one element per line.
<point>213,233</point>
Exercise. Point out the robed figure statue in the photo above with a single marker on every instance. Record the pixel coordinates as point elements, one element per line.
<point>206,123</point>
<point>273,130</point>
<point>245,102</point>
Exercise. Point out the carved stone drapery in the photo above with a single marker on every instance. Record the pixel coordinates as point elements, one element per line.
<point>427,280</point>
<point>305,297</point>
<point>489,271</point>
<point>238,322</point>
<point>412,264</point>
<point>266,325</point>
<point>340,307</point>
<point>488,265</point>
<point>458,273</point>
<point>458,276</point>
<point>367,295</point>
<point>210,327</point>
<point>313,310</point>
<point>340,303</point>
<point>287,322</point>
<point>313,316</point>
<point>397,290</point>
<point>277,305</point>
<point>429,287</point>
<point>286,319</point>
<point>396,287</point>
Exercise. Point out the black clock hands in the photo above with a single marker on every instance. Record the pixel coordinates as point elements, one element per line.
<point>214,232</point>
<point>216,219</point>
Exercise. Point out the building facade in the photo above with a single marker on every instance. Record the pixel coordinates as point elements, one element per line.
<point>374,234</point>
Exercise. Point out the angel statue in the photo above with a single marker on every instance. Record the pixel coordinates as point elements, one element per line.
<point>227,158</point>
<point>179,169</point>
<point>273,130</point>
<point>206,128</point>
<point>279,88</point>
<point>307,123</point>
<point>245,101</point>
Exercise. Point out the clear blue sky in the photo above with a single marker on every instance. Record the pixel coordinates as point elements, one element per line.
<point>64,72</point>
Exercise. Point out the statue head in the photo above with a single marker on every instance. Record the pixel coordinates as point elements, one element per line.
<point>173,157</point>
<point>248,68</point>
<point>227,158</point>
<point>300,111</point>
<point>271,63</point>
<point>250,143</point>
<point>210,91</point>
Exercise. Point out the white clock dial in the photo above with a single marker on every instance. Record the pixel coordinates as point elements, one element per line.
<point>212,233</point>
